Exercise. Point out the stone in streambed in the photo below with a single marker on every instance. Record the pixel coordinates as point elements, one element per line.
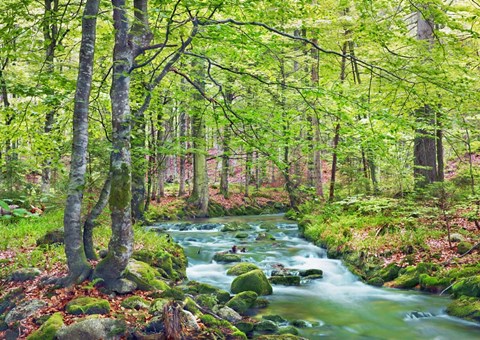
<point>229,314</point>
<point>266,326</point>
<point>287,280</point>
<point>226,257</point>
<point>310,272</point>
<point>288,330</point>
<point>254,280</point>
<point>469,286</point>
<point>241,268</point>
<point>465,308</point>
<point>234,226</point>
<point>242,301</point>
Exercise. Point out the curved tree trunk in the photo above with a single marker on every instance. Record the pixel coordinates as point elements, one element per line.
<point>78,267</point>
<point>90,222</point>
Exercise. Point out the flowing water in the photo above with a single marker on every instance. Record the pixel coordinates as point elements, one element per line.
<point>338,306</point>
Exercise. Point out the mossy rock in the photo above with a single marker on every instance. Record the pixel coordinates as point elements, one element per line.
<point>190,305</point>
<point>254,280</point>
<point>265,237</point>
<point>238,335</point>
<point>55,236</point>
<point>195,287</point>
<point>9,300</point>
<point>390,272</point>
<point>222,296</point>
<point>266,326</point>
<point>161,260</point>
<point>93,328</point>
<point>156,307</point>
<point>465,308</point>
<point>287,280</point>
<point>207,300</point>
<point>310,272</point>
<point>145,276</point>
<point>49,329</point>
<point>244,326</point>
<point>241,235</point>
<point>241,268</point>
<point>469,286</point>
<point>376,281</point>
<point>463,247</point>
<point>433,284</point>
<point>280,337</point>
<point>288,330</point>
<point>275,318</point>
<point>226,258</point>
<point>242,301</point>
<point>268,226</point>
<point>409,278</point>
<point>135,302</point>
<point>313,277</point>
<point>87,305</point>
<point>25,274</point>
<point>234,226</point>
<point>300,323</point>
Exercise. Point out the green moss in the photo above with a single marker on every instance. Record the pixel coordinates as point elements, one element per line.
<point>469,287</point>
<point>239,335</point>
<point>254,280</point>
<point>244,326</point>
<point>463,247</point>
<point>135,302</point>
<point>120,194</point>
<point>466,308</point>
<point>87,305</point>
<point>288,330</point>
<point>376,281</point>
<point>433,284</point>
<point>144,275</point>
<point>206,300</point>
<point>408,278</point>
<point>226,258</point>
<point>390,272</point>
<point>173,293</point>
<point>48,330</point>
<point>288,280</point>
<point>190,305</point>
<point>241,268</point>
<point>242,301</point>
<point>266,326</point>
<point>156,307</point>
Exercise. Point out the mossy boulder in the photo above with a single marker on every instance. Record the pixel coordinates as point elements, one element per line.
<point>55,236</point>
<point>235,226</point>
<point>376,281</point>
<point>287,280</point>
<point>241,235</point>
<point>195,288</point>
<point>261,303</point>
<point>268,226</point>
<point>266,326</point>
<point>465,308</point>
<point>265,237</point>
<point>275,318</point>
<point>226,257</point>
<point>288,330</point>
<point>145,276</point>
<point>300,323</point>
<point>24,309</point>
<point>241,268</point>
<point>161,260</point>
<point>310,272</point>
<point>469,286</point>
<point>280,337</point>
<point>135,302</point>
<point>463,247</point>
<point>229,314</point>
<point>390,272</point>
<point>242,301</point>
<point>244,326</point>
<point>408,278</point>
<point>173,293</point>
<point>433,284</point>
<point>49,329</point>
<point>93,328</point>
<point>87,305</point>
<point>254,281</point>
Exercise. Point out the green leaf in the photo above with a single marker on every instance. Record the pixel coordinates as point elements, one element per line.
<point>4,205</point>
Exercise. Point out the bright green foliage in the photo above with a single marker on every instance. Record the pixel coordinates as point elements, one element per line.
<point>254,280</point>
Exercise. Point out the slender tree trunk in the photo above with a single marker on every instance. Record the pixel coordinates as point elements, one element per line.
<point>182,158</point>
<point>317,159</point>
<point>91,219</point>
<point>120,247</point>
<point>248,172</point>
<point>199,197</point>
<point>78,267</point>
<point>439,140</point>
<point>50,34</point>
<point>225,162</point>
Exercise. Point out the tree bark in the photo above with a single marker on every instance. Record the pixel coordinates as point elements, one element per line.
<point>91,220</point>
<point>224,185</point>
<point>182,158</point>
<point>199,197</point>
<point>78,267</point>
<point>120,247</point>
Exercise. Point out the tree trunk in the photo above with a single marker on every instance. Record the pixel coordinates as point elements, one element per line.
<point>199,196</point>
<point>91,219</point>
<point>139,166</point>
<point>50,34</point>
<point>120,247</point>
<point>78,267</point>
<point>425,154</point>
<point>333,177</point>
<point>225,162</point>
<point>182,158</point>
<point>248,172</point>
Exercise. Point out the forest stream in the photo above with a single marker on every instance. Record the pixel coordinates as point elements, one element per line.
<point>337,306</point>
